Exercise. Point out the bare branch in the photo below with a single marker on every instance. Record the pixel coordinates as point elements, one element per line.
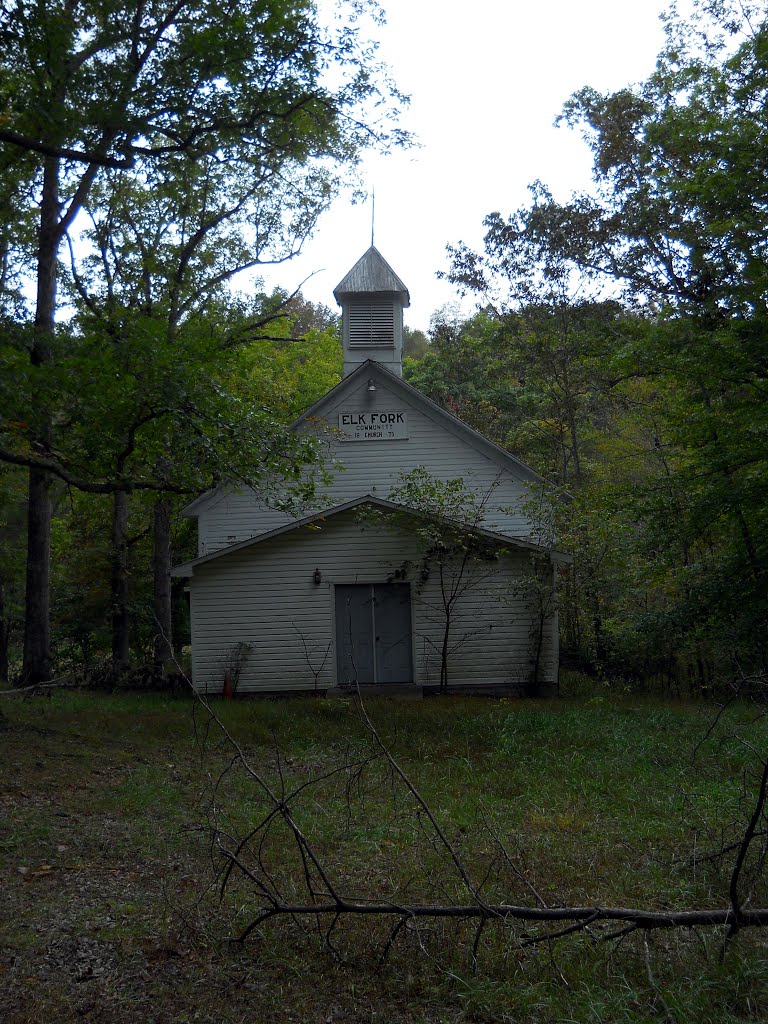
<point>30,144</point>
<point>334,906</point>
<point>90,486</point>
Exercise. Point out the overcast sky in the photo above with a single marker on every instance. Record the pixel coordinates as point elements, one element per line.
<point>486,80</point>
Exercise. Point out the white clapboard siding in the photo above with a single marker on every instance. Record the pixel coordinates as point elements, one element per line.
<point>264,595</point>
<point>374,467</point>
<point>232,516</point>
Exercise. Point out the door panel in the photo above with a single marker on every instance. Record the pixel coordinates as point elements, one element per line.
<point>354,634</point>
<point>392,620</point>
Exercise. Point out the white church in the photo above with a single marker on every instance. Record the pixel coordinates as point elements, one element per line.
<point>352,595</point>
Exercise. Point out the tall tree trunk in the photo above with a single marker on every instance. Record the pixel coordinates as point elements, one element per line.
<point>37,627</point>
<point>543,605</point>
<point>444,654</point>
<point>161,568</point>
<point>37,619</point>
<point>5,636</point>
<point>534,687</point>
<point>121,652</point>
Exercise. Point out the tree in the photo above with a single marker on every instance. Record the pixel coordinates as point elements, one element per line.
<point>247,85</point>
<point>306,316</point>
<point>533,378</point>
<point>11,562</point>
<point>467,371</point>
<point>153,280</point>
<point>459,560</point>
<point>675,226</point>
<point>415,343</point>
<point>452,547</point>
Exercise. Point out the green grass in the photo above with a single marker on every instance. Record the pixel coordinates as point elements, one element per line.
<point>112,916</point>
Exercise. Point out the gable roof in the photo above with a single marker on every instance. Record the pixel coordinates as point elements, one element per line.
<point>188,568</point>
<point>371,275</point>
<point>456,426</point>
<point>371,368</point>
<point>191,508</point>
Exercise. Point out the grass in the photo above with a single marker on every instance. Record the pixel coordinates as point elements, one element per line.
<point>110,914</point>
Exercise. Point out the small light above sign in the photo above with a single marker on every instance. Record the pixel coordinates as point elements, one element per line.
<point>382,425</point>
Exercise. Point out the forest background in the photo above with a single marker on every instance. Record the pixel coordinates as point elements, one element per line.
<point>619,344</point>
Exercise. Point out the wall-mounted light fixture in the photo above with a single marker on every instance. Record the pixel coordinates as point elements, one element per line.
<point>317,576</point>
<point>371,384</point>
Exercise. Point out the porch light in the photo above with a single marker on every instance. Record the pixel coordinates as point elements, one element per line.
<point>371,384</point>
<point>317,576</point>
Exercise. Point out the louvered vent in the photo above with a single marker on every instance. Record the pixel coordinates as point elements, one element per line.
<point>371,324</point>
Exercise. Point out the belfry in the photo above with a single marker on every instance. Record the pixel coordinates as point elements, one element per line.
<point>372,299</point>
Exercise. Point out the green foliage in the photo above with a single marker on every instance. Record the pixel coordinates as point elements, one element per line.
<point>447,518</point>
<point>186,79</point>
<point>535,380</point>
<point>415,344</point>
<point>656,402</point>
<point>150,409</point>
<point>293,373</point>
<point>445,503</point>
<point>224,133</point>
<point>463,371</point>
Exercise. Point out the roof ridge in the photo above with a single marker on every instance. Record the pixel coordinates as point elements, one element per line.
<point>372,367</point>
<point>345,506</point>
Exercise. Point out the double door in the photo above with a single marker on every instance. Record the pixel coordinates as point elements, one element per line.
<point>373,633</point>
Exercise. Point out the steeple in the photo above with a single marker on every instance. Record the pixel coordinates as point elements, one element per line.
<point>372,298</point>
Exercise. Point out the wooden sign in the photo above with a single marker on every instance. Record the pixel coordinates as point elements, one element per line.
<point>374,426</point>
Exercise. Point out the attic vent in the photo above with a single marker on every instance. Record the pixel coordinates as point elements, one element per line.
<point>371,324</point>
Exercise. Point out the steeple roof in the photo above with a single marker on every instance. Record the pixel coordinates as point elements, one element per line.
<point>371,275</point>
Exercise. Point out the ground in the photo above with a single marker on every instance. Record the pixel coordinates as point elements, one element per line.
<point>110,912</point>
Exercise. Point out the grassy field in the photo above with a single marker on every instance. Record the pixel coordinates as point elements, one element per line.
<point>111,910</point>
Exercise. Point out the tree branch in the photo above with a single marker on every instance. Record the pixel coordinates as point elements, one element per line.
<point>30,144</point>
<point>91,486</point>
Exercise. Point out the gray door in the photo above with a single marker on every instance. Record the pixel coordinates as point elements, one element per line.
<point>373,633</point>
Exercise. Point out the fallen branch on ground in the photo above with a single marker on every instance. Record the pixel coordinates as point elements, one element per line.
<point>327,902</point>
<point>642,919</point>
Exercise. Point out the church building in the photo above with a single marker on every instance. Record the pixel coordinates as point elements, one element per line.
<point>364,590</point>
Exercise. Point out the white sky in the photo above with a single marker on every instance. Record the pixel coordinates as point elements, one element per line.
<point>486,80</point>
